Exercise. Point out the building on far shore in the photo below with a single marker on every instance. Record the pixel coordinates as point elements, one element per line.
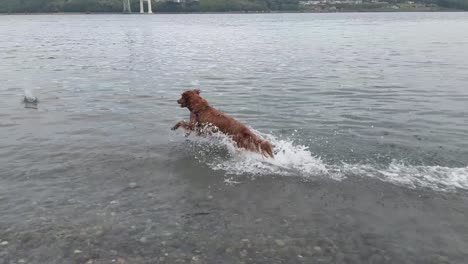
<point>330,2</point>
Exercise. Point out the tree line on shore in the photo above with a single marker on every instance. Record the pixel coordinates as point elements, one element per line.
<point>46,6</point>
<point>457,4</point>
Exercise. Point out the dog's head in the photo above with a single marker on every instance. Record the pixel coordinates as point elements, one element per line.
<point>192,100</point>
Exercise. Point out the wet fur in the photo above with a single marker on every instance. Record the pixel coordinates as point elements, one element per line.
<point>203,115</point>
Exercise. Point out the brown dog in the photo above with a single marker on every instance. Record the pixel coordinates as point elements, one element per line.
<point>203,115</point>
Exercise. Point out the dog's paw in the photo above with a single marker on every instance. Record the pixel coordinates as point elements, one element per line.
<point>175,127</point>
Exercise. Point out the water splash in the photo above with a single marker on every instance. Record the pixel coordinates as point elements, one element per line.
<point>29,100</point>
<point>28,93</point>
<point>297,160</point>
<point>434,177</point>
<point>290,159</point>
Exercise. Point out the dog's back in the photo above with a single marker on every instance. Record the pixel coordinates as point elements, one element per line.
<point>240,133</point>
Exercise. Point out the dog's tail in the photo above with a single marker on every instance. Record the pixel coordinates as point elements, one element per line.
<point>266,149</point>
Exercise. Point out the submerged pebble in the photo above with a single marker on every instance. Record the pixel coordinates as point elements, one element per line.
<point>196,260</point>
<point>4,243</point>
<point>280,242</point>
<point>318,249</point>
<point>243,253</point>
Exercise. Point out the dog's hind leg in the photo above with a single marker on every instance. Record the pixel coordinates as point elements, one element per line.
<point>266,149</point>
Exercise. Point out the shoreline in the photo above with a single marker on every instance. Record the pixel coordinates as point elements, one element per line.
<point>440,10</point>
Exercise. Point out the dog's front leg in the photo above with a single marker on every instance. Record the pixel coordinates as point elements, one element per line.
<point>193,123</point>
<point>177,125</point>
<point>185,125</point>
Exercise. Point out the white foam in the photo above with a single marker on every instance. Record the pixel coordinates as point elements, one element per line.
<point>28,93</point>
<point>289,160</point>
<point>297,160</point>
<point>434,177</point>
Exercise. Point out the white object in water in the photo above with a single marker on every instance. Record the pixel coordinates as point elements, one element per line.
<point>31,100</point>
<point>29,97</point>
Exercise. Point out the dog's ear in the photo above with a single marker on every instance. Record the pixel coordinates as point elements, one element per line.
<point>197,91</point>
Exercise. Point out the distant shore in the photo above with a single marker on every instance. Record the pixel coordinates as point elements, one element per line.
<point>383,10</point>
<point>230,6</point>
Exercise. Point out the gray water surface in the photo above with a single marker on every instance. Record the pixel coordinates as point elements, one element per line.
<point>368,114</point>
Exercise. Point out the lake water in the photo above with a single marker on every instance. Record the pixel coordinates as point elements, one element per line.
<point>368,114</point>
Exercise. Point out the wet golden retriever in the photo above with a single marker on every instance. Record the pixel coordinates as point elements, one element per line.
<point>202,115</point>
